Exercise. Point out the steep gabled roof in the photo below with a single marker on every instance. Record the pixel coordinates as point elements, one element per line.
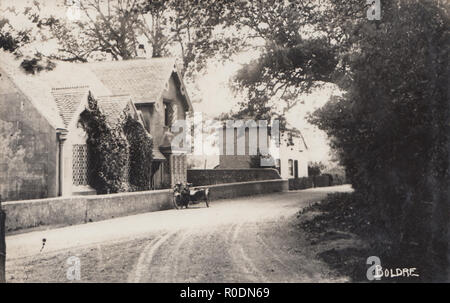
<point>38,88</point>
<point>114,106</point>
<point>143,79</point>
<point>68,100</point>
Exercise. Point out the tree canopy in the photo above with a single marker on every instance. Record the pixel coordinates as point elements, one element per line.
<point>390,125</point>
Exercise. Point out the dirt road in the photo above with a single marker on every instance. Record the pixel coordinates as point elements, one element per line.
<point>253,239</point>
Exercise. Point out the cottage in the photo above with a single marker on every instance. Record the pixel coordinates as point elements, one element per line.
<point>43,151</point>
<point>290,158</point>
<point>293,160</point>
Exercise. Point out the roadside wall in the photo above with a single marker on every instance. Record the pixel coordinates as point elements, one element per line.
<point>200,177</point>
<point>315,181</point>
<point>82,209</point>
<point>233,190</point>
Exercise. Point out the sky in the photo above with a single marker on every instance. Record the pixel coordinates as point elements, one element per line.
<point>213,94</point>
<point>217,98</point>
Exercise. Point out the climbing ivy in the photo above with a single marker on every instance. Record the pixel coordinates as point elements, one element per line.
<point>107,151</point>
<point>140,154</point>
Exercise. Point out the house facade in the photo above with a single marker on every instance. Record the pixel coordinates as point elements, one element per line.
<point>239,145</point>
<point>44,153</point>
<point>293,160</point>
<point>290,157</point>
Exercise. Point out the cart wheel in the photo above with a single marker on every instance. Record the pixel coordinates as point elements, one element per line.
<point>207,197</point>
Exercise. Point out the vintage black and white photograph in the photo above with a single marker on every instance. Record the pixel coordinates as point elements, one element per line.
<point>224,141</point>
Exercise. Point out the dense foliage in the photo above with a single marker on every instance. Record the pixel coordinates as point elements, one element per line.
<point>8,42</point>
<point>390,126</point>
<point>315,168</point>
<point>107,150</point>
<point>181,28</point>
<point>36,65</point>
<point>20,41</point>
<point>391,129</point>
<point>140,149</point>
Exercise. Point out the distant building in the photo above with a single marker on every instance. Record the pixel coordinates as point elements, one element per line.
<point>43,150</point>
<point>293,161</point>
<point>245,146</point>
<point>290,158</point>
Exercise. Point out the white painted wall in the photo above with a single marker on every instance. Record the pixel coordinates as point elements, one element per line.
<point>298,152</point>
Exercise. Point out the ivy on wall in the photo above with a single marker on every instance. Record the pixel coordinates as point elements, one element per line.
<point>107,151</point>
<point>140,154</point>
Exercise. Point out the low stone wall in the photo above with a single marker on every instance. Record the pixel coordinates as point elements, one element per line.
<point>118,205</point>
<point>82,209</point>
<point>315,181</point>
<point>301,183</point>
<point>233,190</point>
<point>53,211</point>
<point>200,177</point>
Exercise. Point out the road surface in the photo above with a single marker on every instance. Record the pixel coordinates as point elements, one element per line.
<point>251,239</point>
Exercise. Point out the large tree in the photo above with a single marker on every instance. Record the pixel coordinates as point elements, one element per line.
<point>194,31</point>
<point>390,127</point>
<point>25,40</point>
<point>183,28</point>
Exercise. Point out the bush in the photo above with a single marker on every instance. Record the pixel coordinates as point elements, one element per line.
<point>315,168</point>
<point>391,130</point>
<point>341,214</point>
<point>336,179</point>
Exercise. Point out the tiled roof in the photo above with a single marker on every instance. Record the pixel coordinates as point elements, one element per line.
<point>38,88</point>
<point>143,80</point>
<point>113,106</point>
<point>68,100</point>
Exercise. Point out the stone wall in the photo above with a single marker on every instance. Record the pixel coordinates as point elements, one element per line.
<point>316,181</point>
<point>200,177</point>
<point>301,183</point>
<point>82,209</point>
<point>234,161</point>
<point>242,189</point>
<point>28,149</point>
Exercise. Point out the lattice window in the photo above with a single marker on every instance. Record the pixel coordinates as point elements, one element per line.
<point>80,164</point>
<point>178,169</point>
